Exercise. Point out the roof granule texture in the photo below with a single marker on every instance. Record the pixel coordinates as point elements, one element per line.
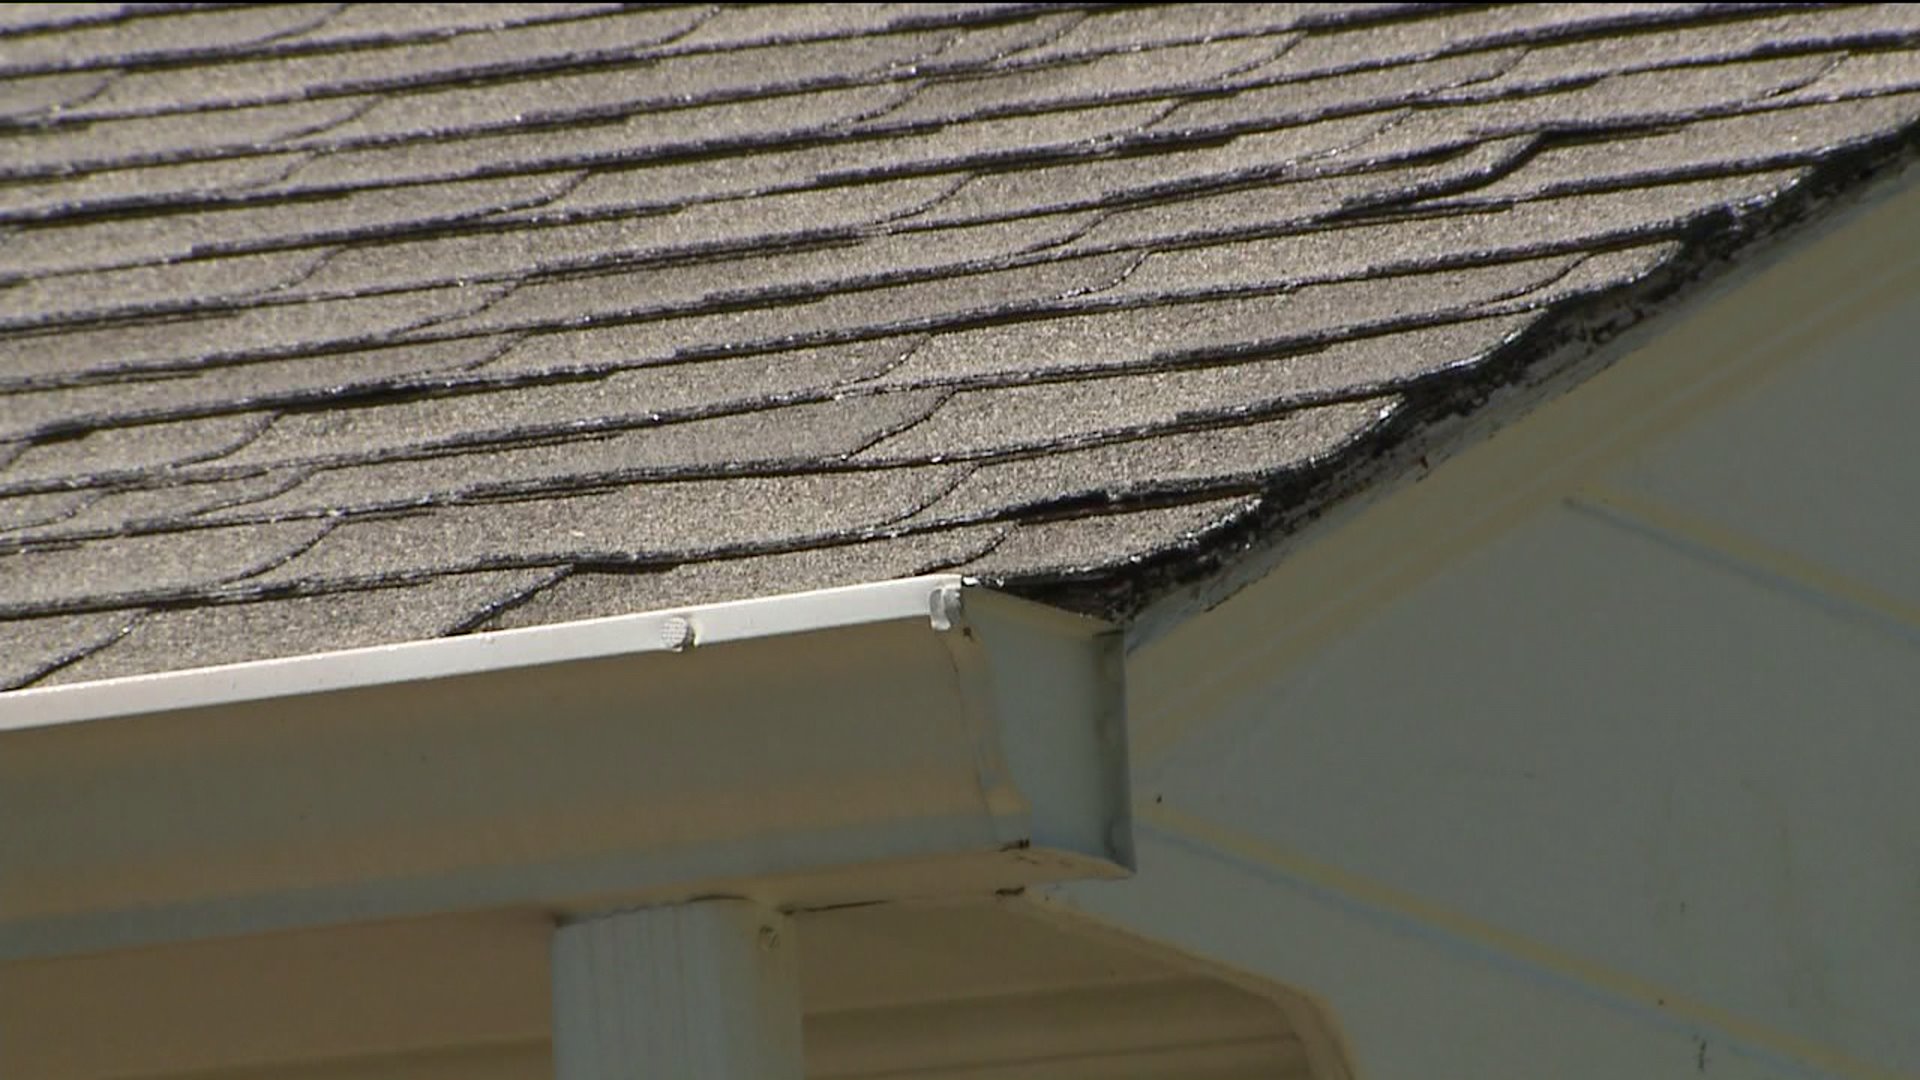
<point>327,325</point>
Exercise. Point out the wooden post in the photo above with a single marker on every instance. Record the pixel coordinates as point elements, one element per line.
<point>707,990</point>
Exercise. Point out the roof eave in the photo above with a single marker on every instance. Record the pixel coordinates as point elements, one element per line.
<point>911,737</point>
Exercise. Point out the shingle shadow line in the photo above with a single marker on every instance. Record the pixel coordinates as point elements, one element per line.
<point>481,222</point>
<point>783,141</point>
<point>606,480</point>
<point>608,114</point>
<point>929,65</point>
<point>76,654</point>
<point>1160,195</point>
<point>76,16</point>
<point>616,160</point>
<point>506,602</point>
<point>274,45</point>
<point>435,384</point>
<point>1146,496</point>
<point>88,499</point>
<point>1469,50</point>
<point>908,22</point>
<point>485,74</point>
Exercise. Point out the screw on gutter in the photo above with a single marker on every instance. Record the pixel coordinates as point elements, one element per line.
<point>769,938</point>
<point>677,633</point>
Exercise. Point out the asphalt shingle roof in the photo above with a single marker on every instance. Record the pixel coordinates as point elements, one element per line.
<point>330,324</point>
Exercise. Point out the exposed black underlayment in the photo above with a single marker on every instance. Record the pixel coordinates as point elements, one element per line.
<point>328,325</point>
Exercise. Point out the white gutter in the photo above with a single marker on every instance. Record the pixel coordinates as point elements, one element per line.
<point>912,737</point>
<point>620,635</point>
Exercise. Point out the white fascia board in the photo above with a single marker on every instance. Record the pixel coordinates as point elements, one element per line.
<point>908,738</point>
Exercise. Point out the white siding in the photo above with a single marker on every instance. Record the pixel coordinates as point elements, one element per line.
<point>1595,753</point>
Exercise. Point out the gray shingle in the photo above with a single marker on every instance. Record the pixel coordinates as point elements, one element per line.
<point>1824,27</point>
<point>40,93</point>
<point>759,223</point>
<point>732,28</point>
<point>19,17</point>
<point>983,45</point>
<point>873,312</point>
<point>870,260</point>
<point>389,22</point>
<point>50,298</point>
<point>30,648</point>
<point>1243,455</point>
<point>159,138</point>
<point>738,26</point>
<point>153,184</point>
<point>657,523</point>
<point>1863,73</point>
<point>964,297</point>
<point>238,388</point>
<point>1415,243</point>
<point>1127,337</point>
<point>153,36</point>
<point>1112,76</point>
<point>1049,415</point>
<point>1034,135</point>
<point>115,512</point>
<point>712,383</point>
<point>278,78</point>
<point>1445,32</point>
<point>1045,549</point>
<point>260,331</point>
<point>654,83</point>
<point>1264,153</point>
<point>1360,91</point>
<point>123,450</point>
<point>126,570</point>
<point>647,135</point>
<point>169,640</point>
<point>590,595</point>
<point>1663,96</point>
<point>40,508</point>
<point>675,184</point>
<point>805,295</point>
<point>812,432</point>
<point>136,241</point>
<point>1598,273</point>
<point>1748,142</point>
<point>947,149</point>
<point>1270,208</point>
<point>1183,24</point>
<point>683,285</point>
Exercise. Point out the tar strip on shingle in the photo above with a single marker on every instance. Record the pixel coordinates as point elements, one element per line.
<point>329,325</point>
